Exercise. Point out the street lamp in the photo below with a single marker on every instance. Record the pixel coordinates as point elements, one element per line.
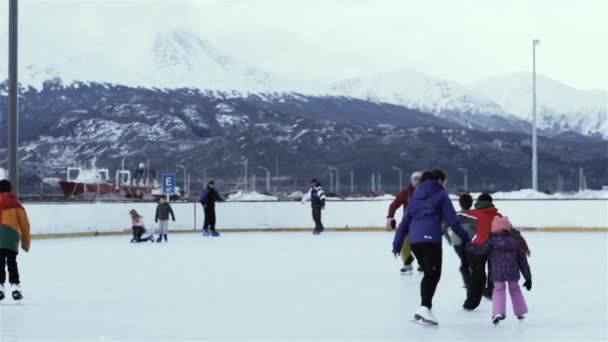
<point>400,177</point>
<point>535,43</point>
<point>337,178</point>
<point>466,179</point>
<point>13,106</point>
<point>186,190</point>
<point>267,178</point>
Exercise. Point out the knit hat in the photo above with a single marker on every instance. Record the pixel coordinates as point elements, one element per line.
<point>416,176</point>
<point>501,224</point>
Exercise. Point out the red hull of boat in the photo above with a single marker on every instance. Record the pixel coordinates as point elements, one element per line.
<point>75,189</point>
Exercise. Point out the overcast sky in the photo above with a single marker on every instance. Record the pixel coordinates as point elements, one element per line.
<point>331,39</point>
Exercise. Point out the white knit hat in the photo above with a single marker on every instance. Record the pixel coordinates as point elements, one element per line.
<point>416,175</point>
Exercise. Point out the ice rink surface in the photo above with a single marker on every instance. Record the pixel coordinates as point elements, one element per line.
<point>288,286</point>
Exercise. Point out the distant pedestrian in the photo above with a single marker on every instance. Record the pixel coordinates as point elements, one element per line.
<point>163,210</point>
<point>209,196</point>
<point>138,228</point>
<point>316,195</point>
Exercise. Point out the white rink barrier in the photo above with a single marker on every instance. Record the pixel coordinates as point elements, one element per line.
<point>71,218</point>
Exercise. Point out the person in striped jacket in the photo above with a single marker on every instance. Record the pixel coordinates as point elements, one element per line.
<point>316,195</point>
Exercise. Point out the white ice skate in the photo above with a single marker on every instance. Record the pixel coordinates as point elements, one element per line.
<point>17,295</point>
<point>407,270</point>
<point>425,315</point>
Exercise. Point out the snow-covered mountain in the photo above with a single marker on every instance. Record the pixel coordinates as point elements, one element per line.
<point>182,58</point>
<point>450,100</point>
<point>166,59</point>
<point>65,125</point>
<point>559,106</point>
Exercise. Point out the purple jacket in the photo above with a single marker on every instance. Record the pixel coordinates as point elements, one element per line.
<point>428,208</point>
<point>507,256</point>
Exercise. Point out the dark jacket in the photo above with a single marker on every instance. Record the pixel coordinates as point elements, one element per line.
<point>317,197</point>
<point>401,200</point>
<point>163,210</point>
<point>507,256</point>
<point>469,223</point>
<point>428,208</point>
<point>209,196</point>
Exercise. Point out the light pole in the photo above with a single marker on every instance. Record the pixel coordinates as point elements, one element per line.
<point>337,178</point>
<point>466,179</point>
<point>535,43</point>
<point>400,177</point>
<point>13,105</point>
<point>186,191</point>
<point>267,178</point>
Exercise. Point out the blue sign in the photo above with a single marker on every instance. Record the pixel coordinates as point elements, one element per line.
<point>168,180</point>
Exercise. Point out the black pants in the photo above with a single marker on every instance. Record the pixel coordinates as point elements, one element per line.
<point>209,223</point>
<point>8,258</point>
<point>429,255</point>
<point>464,264</point>
<point>316,216</point>
<point>478,280</point>
<point>138,233</point>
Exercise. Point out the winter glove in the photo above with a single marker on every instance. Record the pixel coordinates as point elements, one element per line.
<point>391,223</point>
<point>528,284</point>
<point>173,219</point>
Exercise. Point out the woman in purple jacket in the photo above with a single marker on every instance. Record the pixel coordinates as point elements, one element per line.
<point>428,208</point>
<point>508,258</point>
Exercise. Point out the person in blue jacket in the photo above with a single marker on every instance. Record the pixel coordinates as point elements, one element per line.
<point>428,208</point>
<point>209,196</point>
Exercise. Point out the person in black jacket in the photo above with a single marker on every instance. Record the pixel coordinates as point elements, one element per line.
<point>163,210</point>
<point>316,195</point>
<point>208,198</point>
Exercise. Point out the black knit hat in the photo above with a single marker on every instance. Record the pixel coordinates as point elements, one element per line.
<point>5,186</point>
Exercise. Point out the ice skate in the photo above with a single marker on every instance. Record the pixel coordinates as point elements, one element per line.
<point>407,270</point>
<point>425,315</point>
<point>165,236</point>
<point>159,239</point>
<point>215,233</point>
<point>1,292</point>
<point>496,319</point>
<point>206,232</point>
<point>17,295</point>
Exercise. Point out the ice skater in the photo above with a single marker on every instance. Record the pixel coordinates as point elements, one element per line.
<point>469,223</point>
<point>480,285</point>
<point>208,197</point>
<point>402,200</point>
<point>138,228</point>
<point>316,195</point>
<point>163,210</point>
<point>508,258</point>
<point>428,208</point>
<point>14,229</point>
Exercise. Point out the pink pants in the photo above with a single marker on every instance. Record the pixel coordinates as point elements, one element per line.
<point>499,298</point>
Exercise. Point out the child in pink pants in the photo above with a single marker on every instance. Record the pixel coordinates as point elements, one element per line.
<point>507,251</point>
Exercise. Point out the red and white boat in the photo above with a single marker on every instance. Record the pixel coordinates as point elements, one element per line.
<point>95,181</point>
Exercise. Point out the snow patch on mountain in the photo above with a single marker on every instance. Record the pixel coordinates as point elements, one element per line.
<point>559,106</point>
